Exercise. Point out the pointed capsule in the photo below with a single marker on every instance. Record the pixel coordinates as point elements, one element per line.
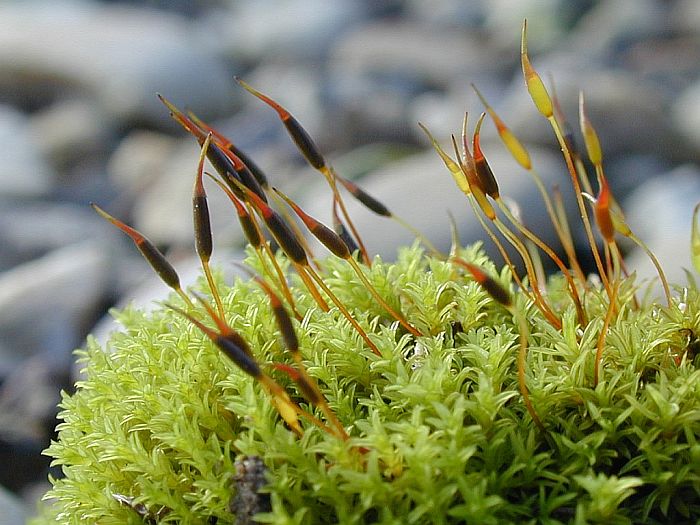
<point>695,239</point>
<point>590,137</point>
<point>154,257</point>
<point>487,181</point>
<point>619,222</point>
<point>365,198</point>
<point>474,187</point>
<point>299,135</point>
<point>324,234</point>
<point>219,156</point>
<point>602,212</point>
<point>279,229</point>
<point>284,321</point>
<point>510,141</point>
<point>257,172</point>
<point>182,119</point>
<point>249,230</point>
<point>244,175</point>
<point>200,209</point>
<point>310,393</point>
<point>343,232</point>
<point>451,165</point>
<point>535,86</point>
<point>492,287</point>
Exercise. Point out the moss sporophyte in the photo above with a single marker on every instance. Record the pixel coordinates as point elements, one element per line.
<point>433,389</point>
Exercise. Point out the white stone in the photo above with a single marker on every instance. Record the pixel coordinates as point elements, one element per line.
<point>117,54</point>
<point>24,171</point>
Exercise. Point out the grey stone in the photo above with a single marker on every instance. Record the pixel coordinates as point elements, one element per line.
<point>13,511</point>
<point>24,171</point>
<point>686,114</point>
<point>282,28</point>
<point>411,51</point>
<point>29,230</point>
<point>28,400</point>
<point>660,213</point>
<point>685,15</point>
<point>46,303</point>
<point>139,160</point>
<point>118,55</point>
<point>613,24</point>
<point>69,131</point>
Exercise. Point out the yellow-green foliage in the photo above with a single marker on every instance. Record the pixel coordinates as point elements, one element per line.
<point>439,432</point>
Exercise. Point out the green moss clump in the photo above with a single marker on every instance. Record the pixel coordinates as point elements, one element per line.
<point>462,399</point>
<point>439,433</point>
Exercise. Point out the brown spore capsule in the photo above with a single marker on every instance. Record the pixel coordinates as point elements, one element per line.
<point>344,234</point>
<point>602,213</point>
<point>257,172</point>
<point>365,198</point>
<point>285,238</point>
<point>245,175</point>
<point>200,210</point>
<point>284,322</point>
<point>325,235</point>
<point>492,287</point>
<point>298,134</point>
<point>153,256</point>
<point>239,356</point>
<point>279,229</point>
<point>249,230</point>
<point>310,393</point>
<point>487,181</point>
<point>227,144</point>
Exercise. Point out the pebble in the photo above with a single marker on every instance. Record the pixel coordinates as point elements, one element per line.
<point>660,213</point>
<point>32,229</point>
<point>13,511</point>
<point>24,171</point>
<point>48,302</point>
<point>69,131</point>
<point>118,56</point>
<point>686,116</point>
<point>284,29</point>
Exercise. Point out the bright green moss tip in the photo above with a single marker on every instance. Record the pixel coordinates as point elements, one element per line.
<point>438,430</point>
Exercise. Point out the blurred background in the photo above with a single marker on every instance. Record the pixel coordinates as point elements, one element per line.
<point>80,122</point>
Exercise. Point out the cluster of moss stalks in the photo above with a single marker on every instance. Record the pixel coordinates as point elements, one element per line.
<point>433,389</point>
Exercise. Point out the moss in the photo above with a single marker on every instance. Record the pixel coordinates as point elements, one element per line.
<point>483,402</point>
<point>439,433</point>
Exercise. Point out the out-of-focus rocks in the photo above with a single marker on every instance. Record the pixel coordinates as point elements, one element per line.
<point>686,115</point>
<point>47,303</point>
<point>660,213</point>
<point>13,512</point>
<point>117,55</point>
<point>139,160</point>
<point>24,171</point>
<point>283,29</point>
<point>70,131</point>
<point>32,229</point>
